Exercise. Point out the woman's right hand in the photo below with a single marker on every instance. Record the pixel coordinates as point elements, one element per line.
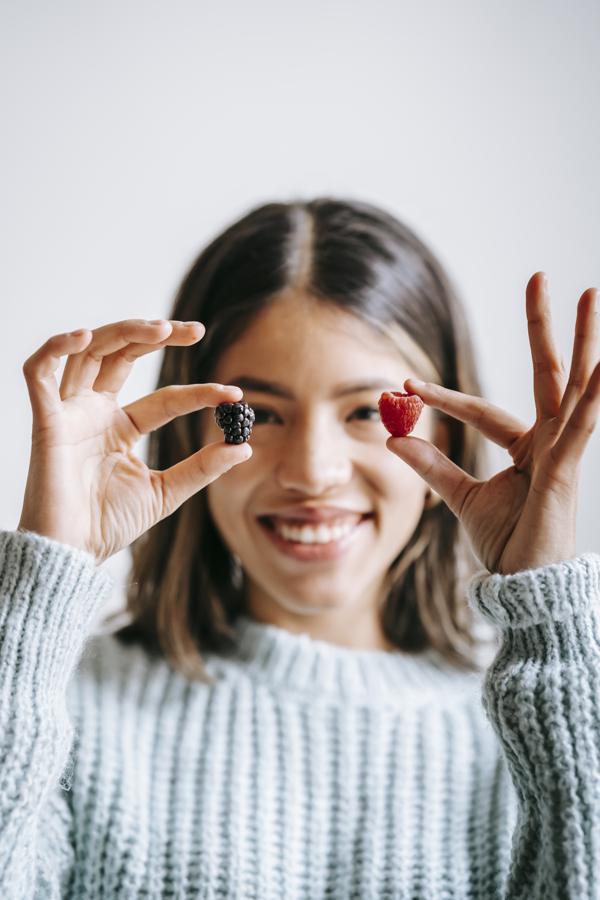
<point>85,486</point>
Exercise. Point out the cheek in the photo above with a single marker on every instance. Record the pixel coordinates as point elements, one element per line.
<point>208,429</point>
<point>400,495</point>
<point>224,511</point>
<point>393,478</point>
<point>229,497</point>
<point>396,478</point>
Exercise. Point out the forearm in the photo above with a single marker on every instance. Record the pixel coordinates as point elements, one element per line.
<point>48,598</point>
<point>542,696</point>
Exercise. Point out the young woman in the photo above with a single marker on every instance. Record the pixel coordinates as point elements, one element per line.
<point>300,705</point>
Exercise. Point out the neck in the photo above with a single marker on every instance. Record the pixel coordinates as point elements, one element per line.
<point>354,627</point>
<point>321,670</point>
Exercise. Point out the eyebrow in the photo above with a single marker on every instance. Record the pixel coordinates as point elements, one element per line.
<point>246,383</point>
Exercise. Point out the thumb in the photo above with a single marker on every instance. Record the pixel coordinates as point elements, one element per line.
<point>443,476</point>
<point>195,472</point>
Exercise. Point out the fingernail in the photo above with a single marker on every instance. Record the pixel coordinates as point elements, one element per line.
<point>230,387</point>
<point>190,324</point>
<point>155,321</point>
<point>416,383</point>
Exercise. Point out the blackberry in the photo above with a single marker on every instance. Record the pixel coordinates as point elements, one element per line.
<point>236,420</point>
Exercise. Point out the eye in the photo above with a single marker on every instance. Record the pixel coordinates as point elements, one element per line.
<point>264,416</point>
<point>368,413</point>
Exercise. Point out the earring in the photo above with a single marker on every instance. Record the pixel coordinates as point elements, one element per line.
<point>432,498</point>
<point>237,573</point>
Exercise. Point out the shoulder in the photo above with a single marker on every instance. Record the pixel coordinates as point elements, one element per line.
<point>108,661</point>
<point>128,676</point>
<point>111,678</point>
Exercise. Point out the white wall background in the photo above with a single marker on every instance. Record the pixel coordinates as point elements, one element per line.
<point>134,131</point>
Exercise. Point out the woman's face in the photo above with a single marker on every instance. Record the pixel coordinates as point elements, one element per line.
<point>322,508</point>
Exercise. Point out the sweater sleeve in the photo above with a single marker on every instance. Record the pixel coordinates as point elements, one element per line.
<point>50,594</point>
<point>541,694</point>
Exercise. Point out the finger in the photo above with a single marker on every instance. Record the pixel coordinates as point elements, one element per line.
<point>568,449</point>
<point>441,474</point>
<point>40,370</point>
<point>585,353</point>
<point>548,369</point>
<point>115,367</point>
<point>162,406</point>
<point>521,451</point>
<point>82,368</point>
<point>185,478</point>
<point>493,422</point>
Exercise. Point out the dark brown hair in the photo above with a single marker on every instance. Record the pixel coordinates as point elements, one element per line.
<point>184,594</point>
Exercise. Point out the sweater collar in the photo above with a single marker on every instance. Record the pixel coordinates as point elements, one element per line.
<point>286,660</point>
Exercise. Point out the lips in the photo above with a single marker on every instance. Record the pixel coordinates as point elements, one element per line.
<point>315,542</point>
<point>348,519</point>
<point>340,518</point>
<point>314,514</point>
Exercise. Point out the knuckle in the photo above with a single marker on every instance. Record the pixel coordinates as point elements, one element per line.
<point>480,411</point>
<point>32,362</point>
<point>582,426</point>
<point>537,318</point>
<point>443,400</point>
<point>548,367</point>
<point>588,428</point>
<point>167,396</point>
<point>459,500</point>
<point>93,353</point>
<point>202,469</point>
<point>126,355</point>
<point>128,329</point>
<point>163,495</point>
<point>558,481</point>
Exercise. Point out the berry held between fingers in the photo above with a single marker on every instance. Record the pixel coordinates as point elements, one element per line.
<point>399,412</point>
<point>236,420</point>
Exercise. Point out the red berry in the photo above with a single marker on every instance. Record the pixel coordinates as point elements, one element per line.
<point>399,412</point>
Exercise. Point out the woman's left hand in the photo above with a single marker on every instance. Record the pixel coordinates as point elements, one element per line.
<point>525,516</point>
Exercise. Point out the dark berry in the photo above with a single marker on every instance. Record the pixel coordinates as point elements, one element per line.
<point>236,420</point>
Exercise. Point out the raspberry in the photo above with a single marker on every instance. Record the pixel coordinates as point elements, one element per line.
<point>236,420</point>
<point>399,412</point>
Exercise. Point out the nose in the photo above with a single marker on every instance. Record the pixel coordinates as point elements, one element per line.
<point>314,459</point>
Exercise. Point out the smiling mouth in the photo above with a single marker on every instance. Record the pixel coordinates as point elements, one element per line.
<point>297,532</point>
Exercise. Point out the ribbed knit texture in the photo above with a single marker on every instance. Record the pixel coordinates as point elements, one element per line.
<point>308,770</point>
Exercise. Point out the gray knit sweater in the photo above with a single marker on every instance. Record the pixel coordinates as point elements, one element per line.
<point>308,770</point>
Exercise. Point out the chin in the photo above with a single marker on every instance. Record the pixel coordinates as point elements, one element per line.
<point>300,603</point>
<point>309,606</point>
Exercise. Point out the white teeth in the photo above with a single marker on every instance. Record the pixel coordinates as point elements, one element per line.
<point>321,534</point>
